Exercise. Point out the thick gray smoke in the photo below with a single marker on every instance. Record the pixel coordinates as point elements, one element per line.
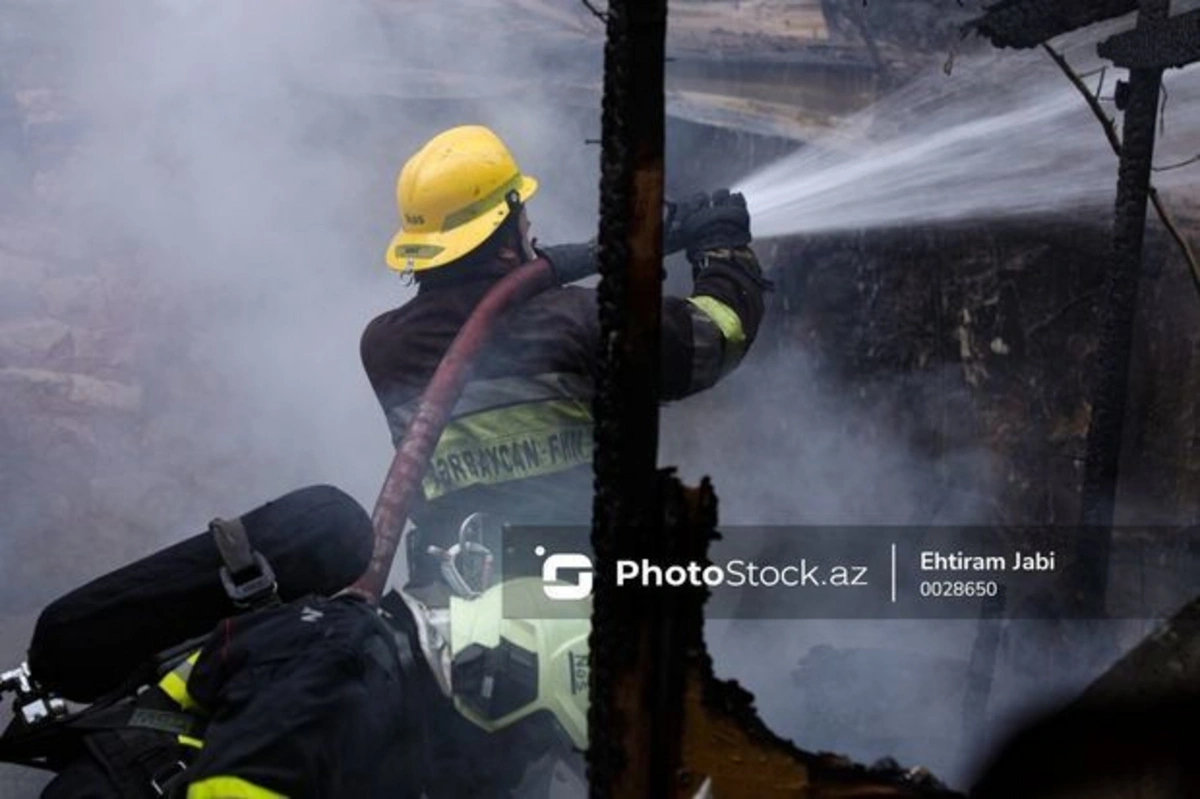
<point>236,161</point>
<point>785,447</point>
<point>230,166</point>
<point>228,145</point>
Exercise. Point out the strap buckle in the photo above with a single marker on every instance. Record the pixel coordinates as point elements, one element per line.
<point>164,779</point>
<point>257,590</point>
<point>239,558</point>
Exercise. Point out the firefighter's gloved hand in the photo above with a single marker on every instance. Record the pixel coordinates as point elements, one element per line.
<point>721,223</point>
<point>678,214</point>
<point>571,262</point>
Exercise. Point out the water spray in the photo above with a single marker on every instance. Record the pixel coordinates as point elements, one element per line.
<point>1004,135</point>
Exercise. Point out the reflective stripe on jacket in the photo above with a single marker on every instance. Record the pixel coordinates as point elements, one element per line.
<point>526,414</point>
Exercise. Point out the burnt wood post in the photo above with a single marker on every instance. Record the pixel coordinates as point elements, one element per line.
<point>636,693</point>
<point>1120,294</point>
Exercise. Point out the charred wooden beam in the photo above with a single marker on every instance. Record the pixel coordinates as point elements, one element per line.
<point>1158,44</point>
<point>1119,305</point>
<point>1166,663</point>
<point>1028,23</point>
<point>1128,734</point>
<point>1116,750</point>
<point>636,691</point>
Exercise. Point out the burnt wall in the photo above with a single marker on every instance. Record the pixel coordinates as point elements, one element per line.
<point>980,334</point>
<point>991,313</point>
<point>1004,315</point>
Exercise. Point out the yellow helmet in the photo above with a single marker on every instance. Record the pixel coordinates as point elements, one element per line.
<point>452,195</point>
<point>509,661</point>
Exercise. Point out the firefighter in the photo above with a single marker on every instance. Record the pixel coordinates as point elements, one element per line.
<point>328,698</point>
<point>441,694</point>
<point>324,698</point>
<point>269,687</point>
<point>518,448</point>
<point>304,699</point>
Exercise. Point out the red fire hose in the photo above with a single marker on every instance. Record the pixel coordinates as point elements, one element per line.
<point>412,456</point>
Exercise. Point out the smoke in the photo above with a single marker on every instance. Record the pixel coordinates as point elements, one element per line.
<point>224,173</point>
<point>785,446</point>
<point>236,161</point>
<point>243,157</point>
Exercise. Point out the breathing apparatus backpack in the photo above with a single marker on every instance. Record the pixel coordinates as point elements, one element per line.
<point>101,644</point>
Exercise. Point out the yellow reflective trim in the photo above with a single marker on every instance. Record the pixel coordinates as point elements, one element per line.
<point>482,205</point>
<point>188,740</point>
<point>482,395</point>
<point>175,682</point>
<point>402,251</point>
<point>229,788</point>
<point>730,325</point>
<point>511,443</point>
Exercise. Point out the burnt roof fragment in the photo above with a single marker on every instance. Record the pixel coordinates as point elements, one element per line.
<point>1156,44</point>
<point>1028,23</point>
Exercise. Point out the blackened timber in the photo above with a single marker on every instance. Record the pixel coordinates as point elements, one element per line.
<point>1028,23</point>
<point>1129,729</point>
<point>635,712</point>
<point>1162,44</point>
<point>1165,663</point>
<point>1120,294</point>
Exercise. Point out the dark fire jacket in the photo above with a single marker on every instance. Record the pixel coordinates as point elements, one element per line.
<point>519,443</point>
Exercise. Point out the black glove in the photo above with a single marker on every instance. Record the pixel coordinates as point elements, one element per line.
<point>677,216</point>
<point>721,222</point>
<point>570,262</point>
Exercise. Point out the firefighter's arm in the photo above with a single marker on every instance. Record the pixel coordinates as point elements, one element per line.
<point>706,335</point>
<point>570,262</point>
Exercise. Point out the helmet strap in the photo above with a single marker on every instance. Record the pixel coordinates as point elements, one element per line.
<point>515,206</point>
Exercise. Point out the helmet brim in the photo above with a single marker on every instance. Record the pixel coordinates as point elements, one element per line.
<point>417,252</point>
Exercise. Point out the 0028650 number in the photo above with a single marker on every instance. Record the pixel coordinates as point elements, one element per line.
<point>958,588</point>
